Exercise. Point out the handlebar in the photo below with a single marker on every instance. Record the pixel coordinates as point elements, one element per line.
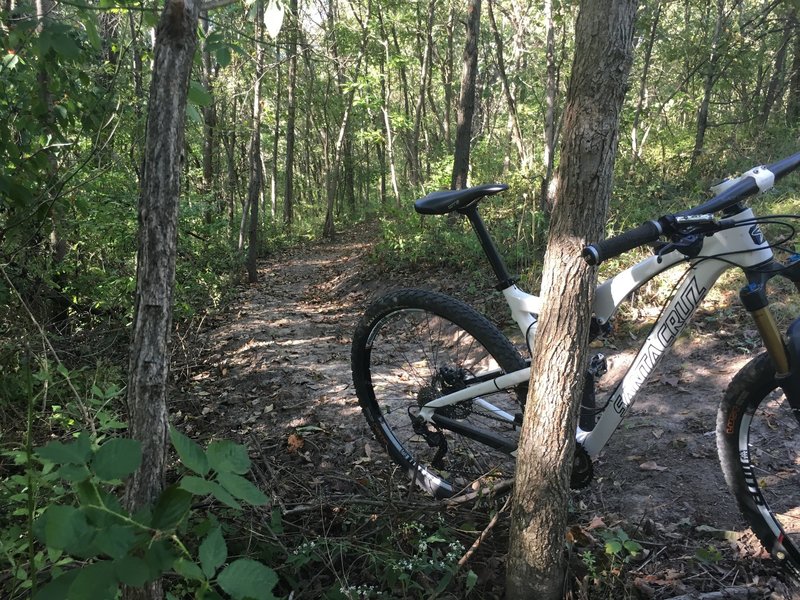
<point>758,179</point>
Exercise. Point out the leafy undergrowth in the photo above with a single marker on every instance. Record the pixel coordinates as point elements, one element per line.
<point>271,371</point>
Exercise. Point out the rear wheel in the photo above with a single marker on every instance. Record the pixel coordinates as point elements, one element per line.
<point>758,438</point>
<point>413,346</point>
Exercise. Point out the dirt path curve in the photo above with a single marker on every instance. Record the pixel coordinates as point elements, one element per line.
<point>272,370</point>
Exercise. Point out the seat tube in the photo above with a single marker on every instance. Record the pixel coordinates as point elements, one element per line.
<point>504,279</point>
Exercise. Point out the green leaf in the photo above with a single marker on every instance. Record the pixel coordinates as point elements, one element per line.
<point>472,579</point>
<point>63,526</point>
<point>117,458</point>
<point>241,488</point>
<point>76,452</point>
<point>190,452</point>
<point>58,588</point>
<point>96,581</point>
<point>115,541</point>
<point>613,547</point>
<point>188,569</point>
<point>223,55</point>
<point>159,558</point>
<point>247,578</point>
<point>172,506</point>
<point>74,473</point>
<point>227,456</point>
<point>199,95</point>
<point>197,485</point>
<point>632,547</point>
<point>90,27</point>
<point>132,570</point>
<point>193,113</point>
<point>213,552</point>
<point>61,41</point>
<point>203,487</point>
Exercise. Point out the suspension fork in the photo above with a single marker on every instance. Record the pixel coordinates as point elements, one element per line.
<point>784,352</point>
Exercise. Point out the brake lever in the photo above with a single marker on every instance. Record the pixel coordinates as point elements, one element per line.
<point>689,245</point>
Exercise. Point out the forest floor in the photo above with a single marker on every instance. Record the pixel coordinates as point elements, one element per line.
<point>272,370</point>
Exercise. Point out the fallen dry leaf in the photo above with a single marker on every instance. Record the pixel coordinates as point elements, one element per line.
<point>651,465</point>
<point>294,443</point>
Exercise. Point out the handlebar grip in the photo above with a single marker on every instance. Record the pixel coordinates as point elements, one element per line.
<point>596,253</point>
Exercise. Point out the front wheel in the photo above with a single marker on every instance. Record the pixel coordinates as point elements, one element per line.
<point>758,439</point>
<point>413,346</point>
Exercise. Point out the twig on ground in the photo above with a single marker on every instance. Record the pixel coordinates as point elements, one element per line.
<point>476,544</point>
<point>495,489</point>
<point>731,593</point>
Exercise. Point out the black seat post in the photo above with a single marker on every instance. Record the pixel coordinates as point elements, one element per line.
<point>504,279</point>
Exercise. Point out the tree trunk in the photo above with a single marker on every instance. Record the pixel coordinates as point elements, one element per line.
<point>793,100</point>
<point>466,100</point>
<point>708,84</point>
<point>256,167</point>
<point>424,80</point>
<point>389,143</point>
<point>516,132</point>
<point>276,136</point>
<point>603,56</point>
<point>176,39</point>
<point>291,110</point>
<point>636,145</point>
<point>551,93</point>
<point>775,86</point>
<point>209,114</point>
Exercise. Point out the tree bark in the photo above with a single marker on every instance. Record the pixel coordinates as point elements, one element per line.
<point>708,84</point>
<point>551,93</point>
<point>387,124</point>
<point>636,143</point>
<point>291,110</point>
<point>603,56</point>
<point>775,86</point>
<point>176,39</point>
<point>424,80</point>
<point>793,100</point>
<point>466,100</point>
<point>516,131</point>
<point>256,167</point>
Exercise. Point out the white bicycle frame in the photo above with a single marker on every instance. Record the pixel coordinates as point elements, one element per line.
<point>742,246</point>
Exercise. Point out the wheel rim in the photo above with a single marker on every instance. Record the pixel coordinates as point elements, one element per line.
<point>414,354</point>
<point>769,448</point>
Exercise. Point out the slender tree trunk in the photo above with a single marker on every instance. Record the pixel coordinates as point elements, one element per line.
<point>778,76</point>
<point>138,91</point>
<point>387,124</point>
<point>550,95</point>
<point>256,166</point>
<point>466,100</point>
<point>276,136</point>
<point>708,84</point>
<point>603,56</point>
<point>636,144</point>
<point>291,110</point>
<point>424,80</point>
<point>516,131</point>
<point>793,100</point>
<point>176,39</point>
<point>209,114</point>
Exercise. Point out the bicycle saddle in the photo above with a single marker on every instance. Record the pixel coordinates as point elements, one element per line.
<point>443,202</point>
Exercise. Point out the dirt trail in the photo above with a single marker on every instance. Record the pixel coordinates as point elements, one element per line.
<point>273,371</point>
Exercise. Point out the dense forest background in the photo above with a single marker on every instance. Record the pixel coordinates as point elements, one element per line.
<point>333,113</point>
<point>359,106</point>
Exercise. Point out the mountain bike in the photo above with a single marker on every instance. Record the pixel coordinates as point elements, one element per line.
<point>443,389</point>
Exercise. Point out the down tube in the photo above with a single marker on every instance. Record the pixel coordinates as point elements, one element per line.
<point>696,283</point>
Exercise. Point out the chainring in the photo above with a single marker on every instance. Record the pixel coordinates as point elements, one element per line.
<point>582,469</point>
